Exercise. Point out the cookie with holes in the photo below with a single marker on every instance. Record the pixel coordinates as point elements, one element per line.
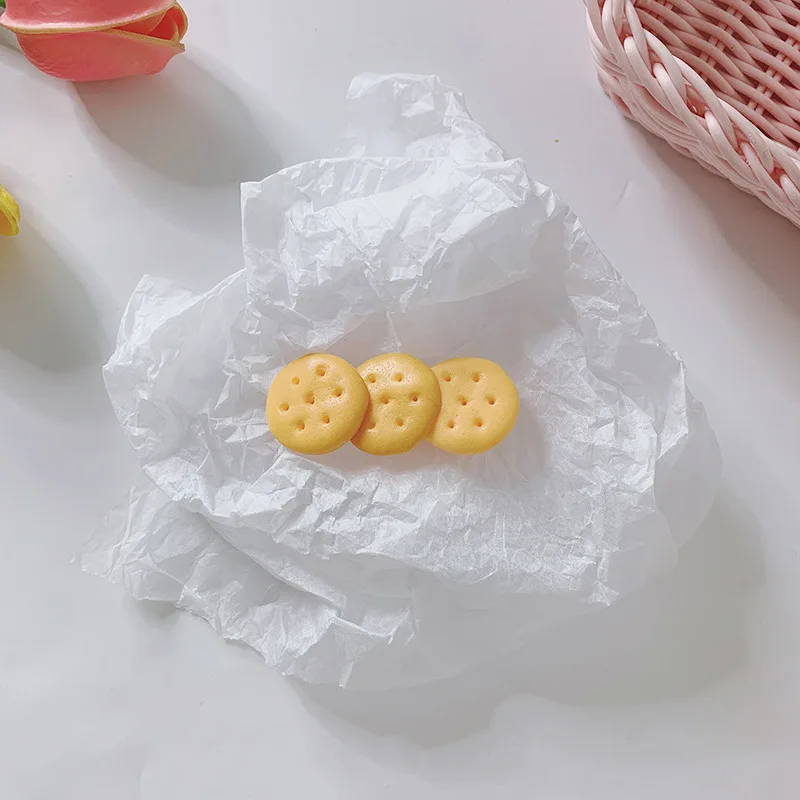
<point>480,404</point>
<point>404,402</point>
<point>316,404</point>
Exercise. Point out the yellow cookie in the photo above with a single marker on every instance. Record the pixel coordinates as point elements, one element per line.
<point>316,404</point>
<point>404,402</point>
<point>479,406</point>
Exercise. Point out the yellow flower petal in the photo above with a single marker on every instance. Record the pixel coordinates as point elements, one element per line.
<point>9,214</point>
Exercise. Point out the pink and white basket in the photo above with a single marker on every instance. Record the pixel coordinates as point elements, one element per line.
<point>718,79</point>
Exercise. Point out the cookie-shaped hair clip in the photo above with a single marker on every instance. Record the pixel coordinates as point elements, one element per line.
<point>480,404</point>
<point>404,402</point>
<point>316,404</point>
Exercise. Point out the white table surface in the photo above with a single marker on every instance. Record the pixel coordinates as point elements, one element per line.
<point>691,689</point>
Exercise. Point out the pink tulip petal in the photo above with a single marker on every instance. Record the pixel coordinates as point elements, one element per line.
<point>183,20</point>
<point>98,55</point>
<point>49,16</point>
<point>173,26</point>
<point>145,26</point>
<point>179,15</point>
<point>167,31</point>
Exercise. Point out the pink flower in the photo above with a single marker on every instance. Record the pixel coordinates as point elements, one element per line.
<point>93,40</point>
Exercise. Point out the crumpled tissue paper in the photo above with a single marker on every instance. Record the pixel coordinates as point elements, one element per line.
<point>422,237</point>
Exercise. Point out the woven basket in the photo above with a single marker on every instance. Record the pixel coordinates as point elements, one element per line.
<point>718,79</point>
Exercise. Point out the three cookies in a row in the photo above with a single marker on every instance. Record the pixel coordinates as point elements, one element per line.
<point>390,404</point>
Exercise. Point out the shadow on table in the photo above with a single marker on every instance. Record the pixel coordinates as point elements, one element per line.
<point>184,124</point>
<point>673,639</point>
<point>187,142</point>
<point>46,317</point>
<point>763,238</point>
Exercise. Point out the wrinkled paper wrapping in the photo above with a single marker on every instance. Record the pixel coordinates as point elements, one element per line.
<point>373,573</point>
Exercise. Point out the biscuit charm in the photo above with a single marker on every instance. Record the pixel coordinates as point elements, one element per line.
<point>316,404</point>
<point>479,406</point>
<point>404,402</point>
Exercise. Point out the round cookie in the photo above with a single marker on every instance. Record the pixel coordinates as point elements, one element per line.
<point>316,404</point>
<point>479,406</point>
<point>404,402</point>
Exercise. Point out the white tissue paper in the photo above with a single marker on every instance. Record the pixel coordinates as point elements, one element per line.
<point>378,573</point>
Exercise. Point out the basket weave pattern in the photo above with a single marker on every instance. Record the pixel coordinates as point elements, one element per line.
<point>718,79</point>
